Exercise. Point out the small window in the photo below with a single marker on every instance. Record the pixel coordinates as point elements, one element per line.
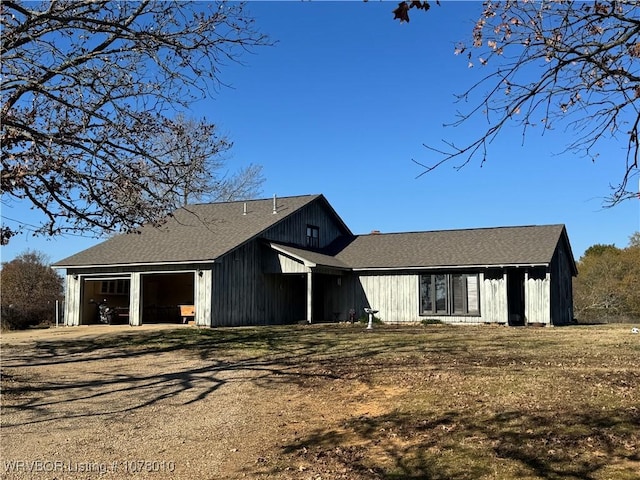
<point>115,287</point>
<point>313,236</point>
<point>453,294</point>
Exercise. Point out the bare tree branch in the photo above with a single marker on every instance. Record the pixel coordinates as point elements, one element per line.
<point>87,89</point>
<point>552,62</point>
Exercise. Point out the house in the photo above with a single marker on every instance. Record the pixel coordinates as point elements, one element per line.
<point>291,259</point>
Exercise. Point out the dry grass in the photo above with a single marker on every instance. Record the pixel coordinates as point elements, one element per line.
<point>436,402</point>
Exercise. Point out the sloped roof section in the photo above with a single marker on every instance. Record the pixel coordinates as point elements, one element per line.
<point>195,233</point>
<point>528,245</point>
<point>310,256</point>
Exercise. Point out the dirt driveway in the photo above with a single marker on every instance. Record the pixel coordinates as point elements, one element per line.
<point>78,404</point>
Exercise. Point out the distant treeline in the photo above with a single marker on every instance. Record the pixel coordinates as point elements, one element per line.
<point>607,288</point>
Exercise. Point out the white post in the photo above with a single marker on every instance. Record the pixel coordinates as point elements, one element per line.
<point>57,312</point>
<point>309,296</point>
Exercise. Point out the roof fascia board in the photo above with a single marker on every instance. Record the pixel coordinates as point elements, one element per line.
<point>450,267</point>
<point>142,264</point>
<point>304,261</point>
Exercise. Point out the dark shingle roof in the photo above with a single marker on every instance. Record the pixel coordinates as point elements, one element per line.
<point>205,232</point>
<point>451,248</point>
<point>195,233</point>
<point>315,257</point>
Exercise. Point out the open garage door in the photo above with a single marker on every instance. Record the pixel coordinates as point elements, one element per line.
<point>163,294</point>
<point>110,291</point>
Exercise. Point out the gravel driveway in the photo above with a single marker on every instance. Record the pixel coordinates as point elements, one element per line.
<point>114,413</point>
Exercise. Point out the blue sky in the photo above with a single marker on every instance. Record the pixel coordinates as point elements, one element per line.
<point>343,104</point>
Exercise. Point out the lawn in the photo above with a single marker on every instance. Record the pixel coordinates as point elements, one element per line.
<point>336,401</point>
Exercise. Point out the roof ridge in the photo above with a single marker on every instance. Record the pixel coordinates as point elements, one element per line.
<point>252,200</point>
<point>475,229</point>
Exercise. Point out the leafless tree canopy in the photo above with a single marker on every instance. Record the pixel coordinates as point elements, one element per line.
<point>555,64</point>
<point>89,86</point>
<point>193,153</point>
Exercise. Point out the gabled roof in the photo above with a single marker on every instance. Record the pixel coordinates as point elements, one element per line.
<point>529,245</point>
<point>195,233</point>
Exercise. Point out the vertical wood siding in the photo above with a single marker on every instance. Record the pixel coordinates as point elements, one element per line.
<point>395,296</point>
<point>493,300</point>
<point>561,295</point>
<point>203,297</point>
<point>294,229</point>
<point>536,295</point>
<point>72,303</point>
<point>135,299</point>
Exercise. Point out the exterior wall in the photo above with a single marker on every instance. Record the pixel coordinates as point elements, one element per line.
<point>274,262</point>
<point>561,292</point>
<point>493,299</point>
<point>79,290</point>
<point>239,286</point>
<point>537,298</point>
<point>294,229</point>
<point>396,296</point>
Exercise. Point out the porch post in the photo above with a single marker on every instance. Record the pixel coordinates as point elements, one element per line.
<point>135,300</point>
<point>73,297</point>
<point>309,296</point>
<point>203,297</point>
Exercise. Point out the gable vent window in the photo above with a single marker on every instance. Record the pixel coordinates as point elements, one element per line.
<point>313,236</point>
<point>453,294</point>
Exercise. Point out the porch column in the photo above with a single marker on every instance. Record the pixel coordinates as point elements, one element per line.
<point>135,300</point>
<point>72,300</point>
<point>309,296</point>
<point>203,296</point>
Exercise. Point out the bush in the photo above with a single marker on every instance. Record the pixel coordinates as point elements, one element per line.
<point>431,321</point>
<point>365,320</point>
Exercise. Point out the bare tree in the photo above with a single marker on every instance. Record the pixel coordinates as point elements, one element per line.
<point>87,88</point>
<point>195,154</point>
<point>555,63</point>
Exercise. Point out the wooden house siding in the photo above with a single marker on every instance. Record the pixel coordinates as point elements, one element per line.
<point>493,299</point>
<point>561,292</point>
<point>238,288</point>
<point>536,294</point>
<point>294,229</point>
<point>204,289</point>
<point>397,297</point>
<point>257,268</point>
<point>394,295</point>
<point>276,262</point>
<point>135,299</point>
<point>73,296</point>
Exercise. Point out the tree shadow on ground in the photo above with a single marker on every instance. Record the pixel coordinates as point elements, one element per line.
<point>206,360</point>
<point>461,446</point>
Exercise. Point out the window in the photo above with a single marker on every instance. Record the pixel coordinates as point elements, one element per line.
<point>313,236</point>
<point>449,294</point>
<point>115,287</point>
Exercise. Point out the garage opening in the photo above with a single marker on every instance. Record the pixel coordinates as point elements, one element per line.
<point>163,294</point>
<point>113,292</point>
